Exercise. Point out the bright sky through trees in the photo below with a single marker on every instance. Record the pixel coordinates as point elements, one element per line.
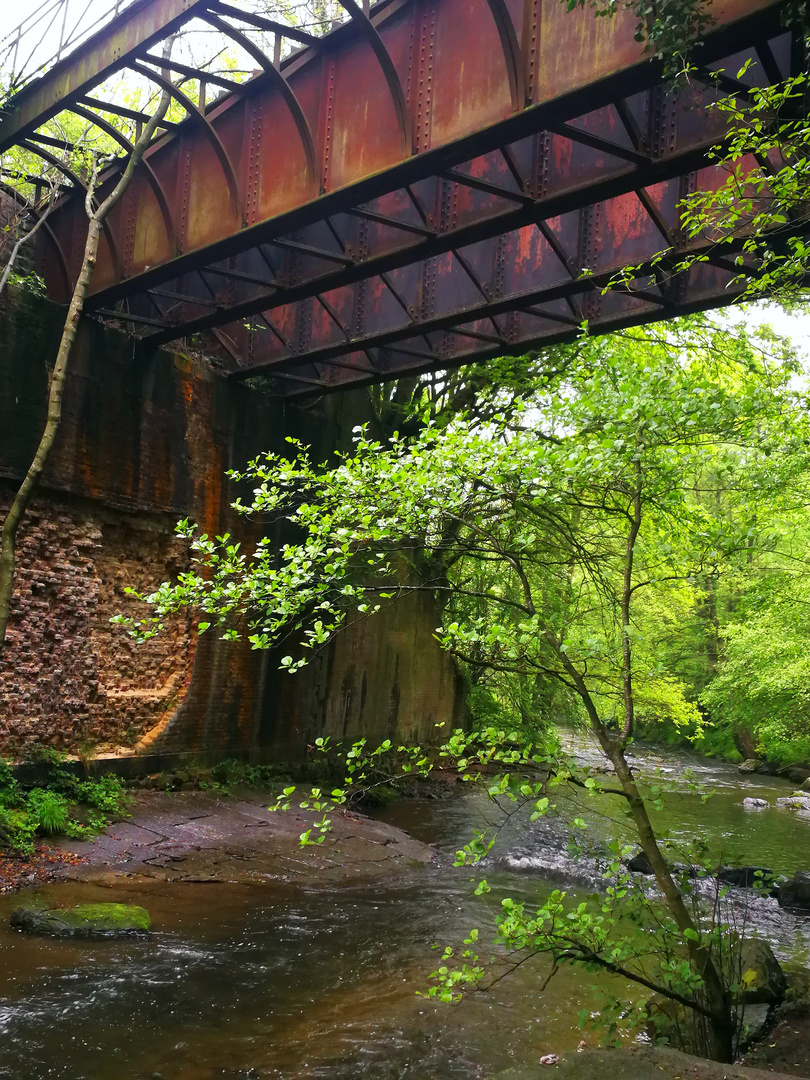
<point>44,24</point>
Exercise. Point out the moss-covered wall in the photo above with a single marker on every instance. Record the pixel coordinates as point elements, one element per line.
<point>145,439</point>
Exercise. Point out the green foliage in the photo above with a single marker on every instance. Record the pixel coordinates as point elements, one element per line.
<point>66,805</point>
<point>17,831</point>
<point>48,811</point>
<point>106,799</point>
<point>761,686</point>
<point>10,794</point>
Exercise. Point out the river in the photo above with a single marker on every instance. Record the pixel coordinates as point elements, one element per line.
<point>246,982</point>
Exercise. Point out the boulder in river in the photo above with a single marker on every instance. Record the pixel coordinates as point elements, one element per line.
<point>797,774</point>
<point>83,921</point>
<point>762,978</point>
<point>797,801</point>
<point>795,894</point>
<point>639,864</point>
<point>755,1020</point>
<point>762,981</point>
<point>748,766</point>
<point>755,804</point>
<point>745,877</point>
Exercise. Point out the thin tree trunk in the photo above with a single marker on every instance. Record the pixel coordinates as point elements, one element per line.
<point>720,1026</point>
<point>717,1000</point>
<point>626,598</point>
<point>60,368</point>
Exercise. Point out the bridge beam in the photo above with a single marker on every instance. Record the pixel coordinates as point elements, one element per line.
<point>429,183</point>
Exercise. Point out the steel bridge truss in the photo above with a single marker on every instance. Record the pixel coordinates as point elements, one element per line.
<point>433,182</point>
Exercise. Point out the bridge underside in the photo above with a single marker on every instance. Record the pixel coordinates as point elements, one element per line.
<point>433,182</point>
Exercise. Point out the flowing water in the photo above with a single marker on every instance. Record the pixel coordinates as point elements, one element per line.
<point>242,982</point>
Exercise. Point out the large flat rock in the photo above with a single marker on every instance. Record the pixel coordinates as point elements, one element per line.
<point>204,837</point>
<point>639,1063</point>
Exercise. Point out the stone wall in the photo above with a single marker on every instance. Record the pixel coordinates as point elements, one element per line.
<point>145,439</point>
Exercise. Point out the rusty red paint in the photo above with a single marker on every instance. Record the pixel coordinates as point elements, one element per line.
<point>420,189</point>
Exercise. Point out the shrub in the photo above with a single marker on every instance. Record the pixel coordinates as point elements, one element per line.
<point>48,811</point>
<point>57,807</point>
<point>17,832</point>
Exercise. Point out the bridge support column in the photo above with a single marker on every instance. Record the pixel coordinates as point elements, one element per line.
<point>145,441</point>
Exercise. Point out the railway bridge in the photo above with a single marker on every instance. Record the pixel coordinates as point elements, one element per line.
<point>427,183</point>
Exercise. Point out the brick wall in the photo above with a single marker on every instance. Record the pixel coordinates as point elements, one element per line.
<point>72,678</point>
<point>145,440</point>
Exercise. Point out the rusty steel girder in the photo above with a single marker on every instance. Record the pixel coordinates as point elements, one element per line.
<point>433,182</point>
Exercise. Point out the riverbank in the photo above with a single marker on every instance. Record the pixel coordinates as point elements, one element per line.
<point>45,865</point>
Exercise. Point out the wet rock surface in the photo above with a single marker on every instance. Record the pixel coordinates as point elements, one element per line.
<point>43,866</point>
<point>83,921</point>
<point>199,837</point>
<point>755,1020</point>
<point>763,980</point>
<point>639,864</point>
<point>795,894</point>
<point>799,800</point>
<point>639,1063</point>
<point>745,877</point>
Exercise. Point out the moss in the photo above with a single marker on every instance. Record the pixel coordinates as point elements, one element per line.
<point>112,916</point>
<point>84,920</point>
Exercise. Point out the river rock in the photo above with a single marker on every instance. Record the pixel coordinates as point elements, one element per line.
<point>797,774</point>
<point>806,785</point>
<point>745,877</point>
<point>755,804</point>
<point>754,1021</point>
<point>83,921</point>
<point>639,864</point>
<point>763,980</point>
<point>748,766</point>
<point>798,980</point>
<point>797,801</point>
<point>795,894</point>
